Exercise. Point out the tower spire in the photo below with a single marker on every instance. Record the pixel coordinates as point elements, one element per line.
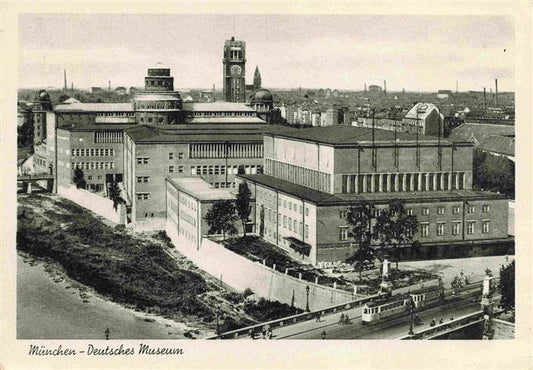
<point>257,78</point>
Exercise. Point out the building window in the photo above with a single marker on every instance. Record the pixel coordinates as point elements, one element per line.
<point>295,226</point>
<point>170,155</point>
<point>471,209</point>
<point>89,177</point>
<point>180,169</point>
<point>143,196</point>
<point>343,214</point>
<point>456,228</point>
<point>142,179</point>
<point>486,227</point>
<point>301,209</point>
<point>142,160</point>
<point>180,155</point>
<point>279,219</point>
<point>290,224</point>
<point>440,210</point>
<point>306,230</point>
<point>306,211</point>
<point>425,211</point>
<point>410,212</point>
<point>424,230</point>
<point>456,210</point>
<point>284,221</point>
<point>471,227</point>
<point>486,208</point>
<point>170,169</point>
<point>440,229</point>
<point>343,233</point>
<point>284,204</point>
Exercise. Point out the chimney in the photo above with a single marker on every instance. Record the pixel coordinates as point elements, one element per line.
<point>72,86</point>
<point>496,82</point>
<point>109,86</point>
<point>65,78</point>
<point>456,86</point>
<point>385,86</point>
<point>485,97</point>
<point>365,86</point>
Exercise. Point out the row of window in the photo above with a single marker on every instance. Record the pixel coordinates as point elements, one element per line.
<point>223,185</point>
<point>293,225</point>
<point>91,177</point>
<point>425,211</point>
<point>221,114</point>
<point>293,206</point>
<point>93,152</point>
<point>221,169</point>
<point>440,229</point>
<point>94,165</point>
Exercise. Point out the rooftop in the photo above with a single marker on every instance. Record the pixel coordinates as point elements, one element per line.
<point>94,107</point>
<point>195,133</point>
<point>226,120</point>
<point>217,107</point>
<point>348,135</point>
<point>498,144</point>
<point>479,132</point>
<point>198,188</point>
<point>421,110</point>
<point>157,97</point>
<point>325,199</point>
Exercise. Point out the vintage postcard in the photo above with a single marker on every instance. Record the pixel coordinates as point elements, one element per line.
<point>297,185</point>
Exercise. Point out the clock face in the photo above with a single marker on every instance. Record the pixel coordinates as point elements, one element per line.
<point>236,70</point>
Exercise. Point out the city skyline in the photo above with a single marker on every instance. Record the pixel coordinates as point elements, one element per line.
<point>314,55</point>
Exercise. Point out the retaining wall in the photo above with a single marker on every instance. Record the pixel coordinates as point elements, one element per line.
<point>241,273</point>
<point>99,205</point>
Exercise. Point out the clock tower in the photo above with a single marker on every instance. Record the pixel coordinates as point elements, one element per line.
<point>234,70</point>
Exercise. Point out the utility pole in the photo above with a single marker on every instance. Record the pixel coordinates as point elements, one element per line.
<point>374,157</point>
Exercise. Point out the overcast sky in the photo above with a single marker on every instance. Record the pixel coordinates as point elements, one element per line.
<point>418,53</point>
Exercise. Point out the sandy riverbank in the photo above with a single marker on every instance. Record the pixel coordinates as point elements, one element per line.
<point>52,306</point>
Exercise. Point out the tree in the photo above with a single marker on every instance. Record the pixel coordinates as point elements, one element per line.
<point>79,178</point>
<point>394,227</point>
<point>221,218</point>
<point>114,194</point>
<point>360,219</point>
<point>457,284</point>
<point>494,173</point>
<point>507,289</point>
<point>242,204</point>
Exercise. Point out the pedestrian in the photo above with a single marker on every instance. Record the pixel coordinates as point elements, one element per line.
<point>451,318</point>
<point>440,321</point>
<point>323,335</point>
<point>318,317</point>
<point>341,320</point>
<point>269,333</point>
<point>346,319</point>
<point>264,332</point>
<point>252,334</point>
<point>106,332</point>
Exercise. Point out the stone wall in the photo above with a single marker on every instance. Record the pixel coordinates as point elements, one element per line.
<point>241,273</point>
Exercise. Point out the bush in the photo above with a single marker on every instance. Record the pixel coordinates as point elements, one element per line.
<point>247,292</point>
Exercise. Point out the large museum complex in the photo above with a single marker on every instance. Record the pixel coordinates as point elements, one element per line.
<point>302,180</point>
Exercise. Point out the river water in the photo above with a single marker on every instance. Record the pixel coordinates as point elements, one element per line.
<point>47,309</point>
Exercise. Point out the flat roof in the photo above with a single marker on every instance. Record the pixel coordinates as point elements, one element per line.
<point>342,135</point>
<point>225,120</point>
<point>94,107</point>
<point>195,133</point>
<point>326,199</point>
<point>217,107</point>
<point>198,188</point>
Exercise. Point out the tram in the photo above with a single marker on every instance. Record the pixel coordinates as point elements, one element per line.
<point>398,305</point>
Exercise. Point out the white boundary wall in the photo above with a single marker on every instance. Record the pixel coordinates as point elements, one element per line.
<point>241,273</point>
<point>99,205</point>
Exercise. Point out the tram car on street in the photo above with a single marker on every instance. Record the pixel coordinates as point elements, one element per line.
<point>399,305</point>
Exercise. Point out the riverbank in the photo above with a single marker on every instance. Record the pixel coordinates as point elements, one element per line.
<point>52,306</point>
<point>133,269</point>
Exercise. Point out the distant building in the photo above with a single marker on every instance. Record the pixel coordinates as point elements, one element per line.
<point>121,90</point>
<point>263,103</point>
<point>373,89</point>
<point>41,105</point>
<point>96,90</point>
<point>495,139</point>
<point>444,94</point>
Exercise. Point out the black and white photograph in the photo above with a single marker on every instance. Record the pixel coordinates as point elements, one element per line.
<point>227,176</point>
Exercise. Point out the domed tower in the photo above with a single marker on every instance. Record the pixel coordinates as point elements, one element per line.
<point>41,105</point>
<point>263,103</point>
<point>158,103</point>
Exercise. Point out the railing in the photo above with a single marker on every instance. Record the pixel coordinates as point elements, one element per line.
<point>43,176</point>
<point>290,320</point>
<point>440,329</point>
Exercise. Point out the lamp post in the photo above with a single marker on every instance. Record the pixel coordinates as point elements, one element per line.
<point>411,312</point>
<point>307,304</point>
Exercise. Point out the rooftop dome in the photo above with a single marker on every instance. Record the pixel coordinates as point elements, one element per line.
<point>263,95</point>
<point>43,95</point>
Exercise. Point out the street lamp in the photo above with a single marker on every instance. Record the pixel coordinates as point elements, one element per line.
<point>411,312</point>
<point>307,304</point>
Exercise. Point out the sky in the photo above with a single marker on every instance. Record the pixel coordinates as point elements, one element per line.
<point>418,53</point>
